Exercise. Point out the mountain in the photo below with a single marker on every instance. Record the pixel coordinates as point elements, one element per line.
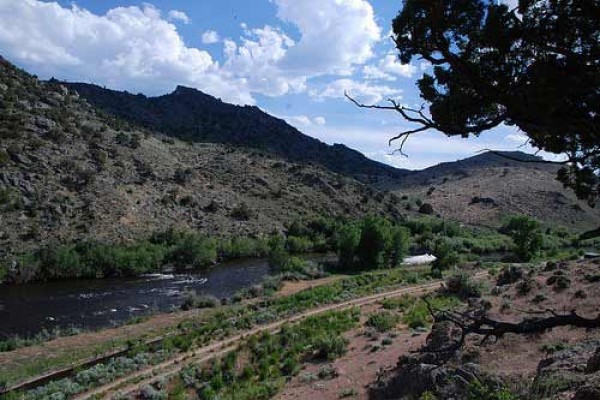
<point>69,172</point>
<point>484,189</point>
<point>190,114</point>
<point>487,159</point>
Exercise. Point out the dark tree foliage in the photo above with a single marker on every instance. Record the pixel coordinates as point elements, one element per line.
<point>536,67</point>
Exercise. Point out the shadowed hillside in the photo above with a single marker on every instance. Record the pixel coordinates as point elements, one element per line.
<point>189,114</point>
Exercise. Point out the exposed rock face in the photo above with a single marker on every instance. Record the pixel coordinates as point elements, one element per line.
<point>574,369</point>
<point>434,369</point>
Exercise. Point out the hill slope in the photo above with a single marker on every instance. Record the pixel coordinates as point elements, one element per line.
<point>487,187</point>
<point>192,115</point>
<point>68,172</point>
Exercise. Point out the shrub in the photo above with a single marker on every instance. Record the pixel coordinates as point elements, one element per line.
<point>330,346</point>
<point>296,244</point>
<point>327,372</point>
<point>241,212</point>
<point>524,286</point>
<point>192,300</point>
<point>426,209</point>
<point>4,158</point>
<point>463,286</point>
<point>382,321</point>
<point>478,391</point>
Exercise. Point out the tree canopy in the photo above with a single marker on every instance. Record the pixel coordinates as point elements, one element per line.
<point>536,67</point>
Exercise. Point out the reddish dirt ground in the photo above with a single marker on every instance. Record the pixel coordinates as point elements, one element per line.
<point>514,357</point>
<point>358,368</point>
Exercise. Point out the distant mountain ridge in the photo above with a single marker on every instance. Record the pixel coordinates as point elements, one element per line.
<point>487,159</point>
<point>190,114</point>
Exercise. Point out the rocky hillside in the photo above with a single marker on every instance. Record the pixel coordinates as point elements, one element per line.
<point>191,115</point>
<point>485,188</point>
<point>69,172</point>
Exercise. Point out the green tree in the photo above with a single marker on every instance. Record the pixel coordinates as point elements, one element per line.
<point>526,235</point>
<point>446,258</point>
<point>399,245</point>
<point>347,243</point>
<point>375,241</point>
<point>536,67</point>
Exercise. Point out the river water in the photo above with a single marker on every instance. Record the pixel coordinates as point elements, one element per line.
<point>90,304</point>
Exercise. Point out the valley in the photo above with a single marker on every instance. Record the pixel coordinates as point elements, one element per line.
<point>178,247</point>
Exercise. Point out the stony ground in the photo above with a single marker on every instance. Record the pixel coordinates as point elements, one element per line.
<point>553,363</point>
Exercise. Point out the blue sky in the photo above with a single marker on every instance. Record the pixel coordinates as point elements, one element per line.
<point>292,58</point>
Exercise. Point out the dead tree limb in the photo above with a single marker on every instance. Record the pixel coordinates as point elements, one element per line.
<point>475,321</point>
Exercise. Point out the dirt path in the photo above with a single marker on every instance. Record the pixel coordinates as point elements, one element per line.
<point>133,382</point>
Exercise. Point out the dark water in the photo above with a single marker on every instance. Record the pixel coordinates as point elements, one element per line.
<point>90,304</point>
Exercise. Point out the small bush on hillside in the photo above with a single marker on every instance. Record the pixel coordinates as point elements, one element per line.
<point>426,209</point>
<point>241,212</point>
<point>463,286</point>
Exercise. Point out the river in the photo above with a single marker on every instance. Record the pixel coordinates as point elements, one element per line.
<point>91,304</point>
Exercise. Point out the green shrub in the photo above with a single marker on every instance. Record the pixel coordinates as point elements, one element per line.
<point>462,286</point>
<point>193,251</point>
<point>383,321</point>
<point>478,391</point>
<point>296,245</point>
<point>4,158</point>
<point>329,346</point>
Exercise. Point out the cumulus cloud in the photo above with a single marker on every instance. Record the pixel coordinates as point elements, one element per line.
<point>176,15</point>
<point>131,48</point>
<point>140,50</point>
<point>210,37</point>
<point>361,91</point>
<point>335,35</point>
<point>389,68</point>
<point>320,120</point>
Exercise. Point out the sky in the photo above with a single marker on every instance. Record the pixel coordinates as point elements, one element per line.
<point>292,58</point>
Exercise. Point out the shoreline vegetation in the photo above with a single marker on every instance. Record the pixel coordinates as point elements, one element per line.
<point>373,241</point>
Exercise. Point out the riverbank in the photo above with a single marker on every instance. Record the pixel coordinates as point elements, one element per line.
<point>23,363</point>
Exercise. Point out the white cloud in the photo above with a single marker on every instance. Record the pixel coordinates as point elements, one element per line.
<point>140,50</point>
<point>257,59</point>
<point>389,68</point>
<point>176,15</point>
<point>128,48</point>
<point>210,37</point>
<point>303,121</point>
<point>361,91</point>
<point>335,34</point>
